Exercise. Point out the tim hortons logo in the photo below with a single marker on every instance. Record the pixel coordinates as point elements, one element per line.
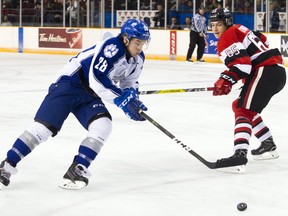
<point>52,38</point>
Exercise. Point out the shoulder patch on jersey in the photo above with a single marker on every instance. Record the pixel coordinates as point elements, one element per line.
<point>243,29</point>
<point>110,50</point>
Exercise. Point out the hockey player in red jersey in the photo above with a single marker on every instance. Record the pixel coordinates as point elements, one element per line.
<point>249,59</point>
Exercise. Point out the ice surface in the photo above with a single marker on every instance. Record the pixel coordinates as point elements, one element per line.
<point>141,171</point>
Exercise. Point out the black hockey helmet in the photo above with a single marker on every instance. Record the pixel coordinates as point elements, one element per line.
<point>221,14</point>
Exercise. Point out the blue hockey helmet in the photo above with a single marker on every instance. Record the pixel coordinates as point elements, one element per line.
<point>221,14</point>
<point>133,28</point>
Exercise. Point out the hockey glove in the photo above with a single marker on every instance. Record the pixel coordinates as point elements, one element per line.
<point>130,104</point>
<point>224,84</point>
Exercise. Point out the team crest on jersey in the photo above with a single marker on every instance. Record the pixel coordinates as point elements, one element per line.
<point>110,50</point>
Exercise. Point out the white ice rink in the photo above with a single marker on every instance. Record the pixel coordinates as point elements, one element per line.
<point>141,171</point>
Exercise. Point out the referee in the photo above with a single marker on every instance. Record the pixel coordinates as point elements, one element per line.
<point>198,33</point>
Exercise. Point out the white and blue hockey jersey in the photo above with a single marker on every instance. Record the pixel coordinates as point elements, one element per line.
<point>107,68</point>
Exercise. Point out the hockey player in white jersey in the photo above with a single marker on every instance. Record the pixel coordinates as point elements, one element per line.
<point>105,72</point>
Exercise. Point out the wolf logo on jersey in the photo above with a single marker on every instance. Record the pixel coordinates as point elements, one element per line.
<point>110,50</point>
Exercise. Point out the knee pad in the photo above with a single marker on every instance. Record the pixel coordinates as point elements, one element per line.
<point>239,111</point>
<point>39,132</point>
<point>249,114</point>
<point>100,129</point>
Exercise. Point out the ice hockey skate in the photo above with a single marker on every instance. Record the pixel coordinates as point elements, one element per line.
<point>266,150</point>
<point>234,164</point>
<point>76,177</point>
<point>6,170</point>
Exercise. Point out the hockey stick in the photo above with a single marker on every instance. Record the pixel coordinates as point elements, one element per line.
<point>167,91</point>
<point>211,165</point>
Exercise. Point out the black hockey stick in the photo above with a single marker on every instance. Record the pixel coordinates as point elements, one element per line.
<point>167,91</point>
<point>211,165</point>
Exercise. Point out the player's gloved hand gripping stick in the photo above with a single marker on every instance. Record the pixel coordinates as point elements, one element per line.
<point>130,104</point>
<point>224,84</point>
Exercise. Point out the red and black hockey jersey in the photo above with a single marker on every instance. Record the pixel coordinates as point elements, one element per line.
<point>243,51</point>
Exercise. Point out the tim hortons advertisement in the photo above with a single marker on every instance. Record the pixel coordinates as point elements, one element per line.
<point>60,38</point>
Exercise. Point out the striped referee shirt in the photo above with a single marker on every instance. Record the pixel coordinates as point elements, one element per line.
<point>199,23</point>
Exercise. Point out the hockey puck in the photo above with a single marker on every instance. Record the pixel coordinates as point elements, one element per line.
<point>242,206</point>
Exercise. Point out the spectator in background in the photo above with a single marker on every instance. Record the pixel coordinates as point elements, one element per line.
<point>187,25</point>
<point>214,4</point>
<point>83,12</point>
<point>6,21</point>
<point>174,24</point>
<point>27,11</point>
<point>37,13</point>
<point>72,12</point>
<point>189,6</point>
<point>57,11</point>
<point>182,5</point>
<point>172,5</point>
<point>54,11</point>
<point>159,17</point>
<point>248,6</point>
<point>274,18</point>
<point>145,5</point>
<point>197,33</point>
<point>6,5</point>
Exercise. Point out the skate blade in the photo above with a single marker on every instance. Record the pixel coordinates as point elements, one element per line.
<point>69,185</point>
<point>233,169</point>
<point>1,186</point>
<point>266,156</point>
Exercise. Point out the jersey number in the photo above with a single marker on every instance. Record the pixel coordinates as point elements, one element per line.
<point>231,51</point>
<point>102,64</point>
